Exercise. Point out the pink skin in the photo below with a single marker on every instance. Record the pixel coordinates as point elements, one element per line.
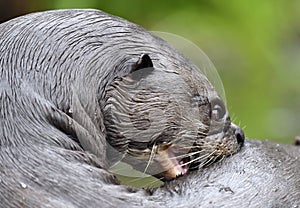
<point>171,164</point>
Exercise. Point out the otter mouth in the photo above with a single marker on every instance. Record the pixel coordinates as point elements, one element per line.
<point>174,163</point>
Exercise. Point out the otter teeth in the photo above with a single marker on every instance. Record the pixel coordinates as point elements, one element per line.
<point>173,167</point>
<point>179,168</point>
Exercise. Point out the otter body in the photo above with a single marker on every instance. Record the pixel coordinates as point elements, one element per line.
<point>81,90</point>
<point>88,82</point>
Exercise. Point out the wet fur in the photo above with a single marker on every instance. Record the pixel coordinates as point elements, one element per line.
<point>55,69</point>
<point>54,72</point>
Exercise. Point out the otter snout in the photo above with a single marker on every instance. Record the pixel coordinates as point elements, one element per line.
<point>239,135</point>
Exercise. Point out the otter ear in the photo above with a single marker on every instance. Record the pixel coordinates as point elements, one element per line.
<point>143,62</point>
<point>138,69</point>
<point>142,68</point>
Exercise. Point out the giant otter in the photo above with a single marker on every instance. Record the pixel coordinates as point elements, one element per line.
<point>80,90</point>
<point>92,83</point>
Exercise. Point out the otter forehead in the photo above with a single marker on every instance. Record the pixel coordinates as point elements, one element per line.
<point>164,95</point>
<point>174,84</point>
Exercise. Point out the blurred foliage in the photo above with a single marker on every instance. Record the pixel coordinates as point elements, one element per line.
<point>255,45</point>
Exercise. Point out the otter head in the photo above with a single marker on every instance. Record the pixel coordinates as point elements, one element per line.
<point>166,122</point>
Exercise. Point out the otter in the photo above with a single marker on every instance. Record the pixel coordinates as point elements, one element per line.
<point>91,82</point>
<point>81,90</point>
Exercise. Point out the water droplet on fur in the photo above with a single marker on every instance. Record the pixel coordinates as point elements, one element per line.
<point>177,189</point>
<point>23,185</point>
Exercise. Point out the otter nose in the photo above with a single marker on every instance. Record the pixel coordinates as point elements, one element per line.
<point>240,136</point>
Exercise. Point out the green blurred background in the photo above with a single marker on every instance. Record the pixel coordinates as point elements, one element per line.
<point>255,45</point>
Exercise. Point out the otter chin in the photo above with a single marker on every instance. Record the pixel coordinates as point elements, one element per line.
<point>166,119</point>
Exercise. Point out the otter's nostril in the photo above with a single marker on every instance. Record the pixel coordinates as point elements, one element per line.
<point>240,136</point>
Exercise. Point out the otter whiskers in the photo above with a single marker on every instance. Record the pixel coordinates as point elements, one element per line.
<point>188,154</point>
<point>203,157</point>
<point>151,157</point>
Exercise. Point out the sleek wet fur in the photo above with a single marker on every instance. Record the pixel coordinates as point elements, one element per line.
<point>66,80</point>
<point>104,88</point>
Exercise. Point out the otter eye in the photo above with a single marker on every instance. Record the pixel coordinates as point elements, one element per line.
<point>218,110</point>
